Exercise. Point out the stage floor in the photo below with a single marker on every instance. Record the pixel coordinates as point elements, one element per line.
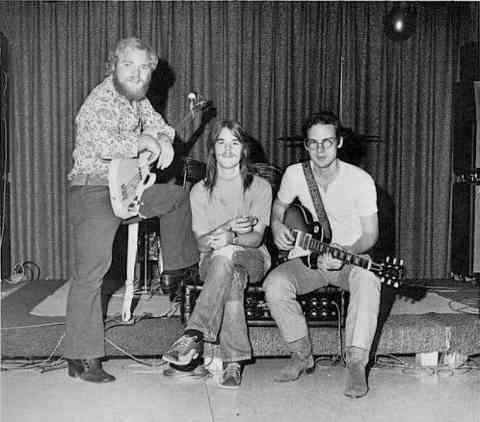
<point>454,330</point>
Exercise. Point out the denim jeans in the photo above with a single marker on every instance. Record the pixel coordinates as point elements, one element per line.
<point>293,278</point>
<point>94,228</point>
<point>219,309</point>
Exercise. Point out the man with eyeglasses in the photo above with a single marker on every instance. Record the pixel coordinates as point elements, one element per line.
<point>349,199</point>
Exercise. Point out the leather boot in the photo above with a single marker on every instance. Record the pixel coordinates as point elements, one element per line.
<point>356,382</point>
<point>88,370</point>
<point>300,362</point>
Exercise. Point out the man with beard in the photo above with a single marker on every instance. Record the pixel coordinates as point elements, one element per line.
<point>116,121</point>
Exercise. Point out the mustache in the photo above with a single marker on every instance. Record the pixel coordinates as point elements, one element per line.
<point>132,94</point>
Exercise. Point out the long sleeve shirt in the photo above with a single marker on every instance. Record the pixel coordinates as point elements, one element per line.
<point>108,126</point>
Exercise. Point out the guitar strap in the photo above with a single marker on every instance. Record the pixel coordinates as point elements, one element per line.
<point>317,200</point>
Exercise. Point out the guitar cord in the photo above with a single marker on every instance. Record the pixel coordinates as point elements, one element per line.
<point>53,362</point>
<point>340,356</point>
<point>5,175</point>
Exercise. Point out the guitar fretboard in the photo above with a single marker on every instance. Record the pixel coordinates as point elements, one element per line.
<point>306,241</point>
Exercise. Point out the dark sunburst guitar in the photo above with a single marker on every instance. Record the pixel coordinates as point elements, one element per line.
<point>309,236</point>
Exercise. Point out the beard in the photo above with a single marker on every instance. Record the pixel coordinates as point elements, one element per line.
<point>131,93</point>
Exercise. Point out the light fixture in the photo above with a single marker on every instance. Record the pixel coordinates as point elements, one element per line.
<point>400,22</point>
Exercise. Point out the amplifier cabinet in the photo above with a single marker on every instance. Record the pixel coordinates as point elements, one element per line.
<point>465,225</point>
<point>322,307</point>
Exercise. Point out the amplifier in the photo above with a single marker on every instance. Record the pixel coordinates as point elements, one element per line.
<point>322,307</point>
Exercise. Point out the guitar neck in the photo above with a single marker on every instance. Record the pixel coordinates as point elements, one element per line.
<point>349,258</point>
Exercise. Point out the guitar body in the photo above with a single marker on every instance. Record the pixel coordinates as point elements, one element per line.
<point>309,235</point>
<point>128,179</point>
<point>297,217</point>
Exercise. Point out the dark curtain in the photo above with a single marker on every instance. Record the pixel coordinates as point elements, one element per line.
<point>267,64</point>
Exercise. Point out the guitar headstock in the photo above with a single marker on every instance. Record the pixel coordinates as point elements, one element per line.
<point>206,110</point>
<point>390,272</point>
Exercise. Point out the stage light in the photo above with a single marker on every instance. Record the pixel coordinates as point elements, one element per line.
<point>400,22</point>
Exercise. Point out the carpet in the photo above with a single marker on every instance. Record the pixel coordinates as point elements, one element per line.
<point>27,335</point>
<point>432,302</point>
<point>157,305</point>
<point>55,304</point>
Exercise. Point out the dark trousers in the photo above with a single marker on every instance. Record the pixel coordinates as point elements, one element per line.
<point>94,228</point>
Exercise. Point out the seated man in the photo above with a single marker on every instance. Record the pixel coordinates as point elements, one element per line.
<point>116,121</point>
<point>230,210</point>
<point>349,199</point>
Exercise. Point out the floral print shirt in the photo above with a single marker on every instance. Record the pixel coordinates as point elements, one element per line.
<point>108,126</point>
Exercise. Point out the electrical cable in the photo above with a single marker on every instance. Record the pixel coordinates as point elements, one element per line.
<point>32,326</point>
<point>341,354</point>
<point>462,305</point>
<point>41,365</point>
<point>210,406</point>
<point>465,304</point>
<point>129,355</point>
<point>4,176</point>
<point>413,369</point>
<point>48,365</point>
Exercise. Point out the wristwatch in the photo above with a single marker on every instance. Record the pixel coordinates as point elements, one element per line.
<point>235,238</point>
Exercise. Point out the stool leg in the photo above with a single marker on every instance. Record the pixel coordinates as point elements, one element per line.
<point>188,302</point>
<point>183,290</point>
<point>145,263</point>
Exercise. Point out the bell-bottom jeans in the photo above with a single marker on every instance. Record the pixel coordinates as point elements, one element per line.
<point>94,228</point>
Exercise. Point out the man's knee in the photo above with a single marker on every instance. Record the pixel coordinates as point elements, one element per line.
<point>277,287</point>
<point>220,266</point>
<point>364,282</point>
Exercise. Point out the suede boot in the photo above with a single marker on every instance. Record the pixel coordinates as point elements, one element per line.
<point>88,370</point>
<point>300,362</point>
<point>356,382</point>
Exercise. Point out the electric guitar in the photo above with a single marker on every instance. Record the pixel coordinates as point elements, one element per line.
<point>128,178</point>
<point>309,236</point>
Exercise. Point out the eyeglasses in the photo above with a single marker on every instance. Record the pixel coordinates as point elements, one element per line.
<point>315,143</point>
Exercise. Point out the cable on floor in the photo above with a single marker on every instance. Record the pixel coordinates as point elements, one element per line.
<point>340,357</point>
<point>46,365</point>
<point>59,363</point>
<point>391,361</point>
<point>48,324</point>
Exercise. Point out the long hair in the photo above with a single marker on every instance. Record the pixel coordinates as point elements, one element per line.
<point>246,171</point>
<point>125,44</point>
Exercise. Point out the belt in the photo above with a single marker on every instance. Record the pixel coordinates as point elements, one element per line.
<point>89,179</point>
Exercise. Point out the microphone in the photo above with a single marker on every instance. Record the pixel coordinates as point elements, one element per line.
<point>192,97</point>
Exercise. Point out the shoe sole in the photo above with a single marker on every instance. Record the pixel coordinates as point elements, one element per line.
<point>308,371</point>
<point>228,387</point>
<point>79,375</point>
<point>355,396</point>
<point>186,361</point>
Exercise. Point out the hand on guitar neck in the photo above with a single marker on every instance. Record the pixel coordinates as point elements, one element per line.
<point>328,262</point>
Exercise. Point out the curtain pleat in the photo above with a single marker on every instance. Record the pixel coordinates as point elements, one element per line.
<point>267,64</point>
